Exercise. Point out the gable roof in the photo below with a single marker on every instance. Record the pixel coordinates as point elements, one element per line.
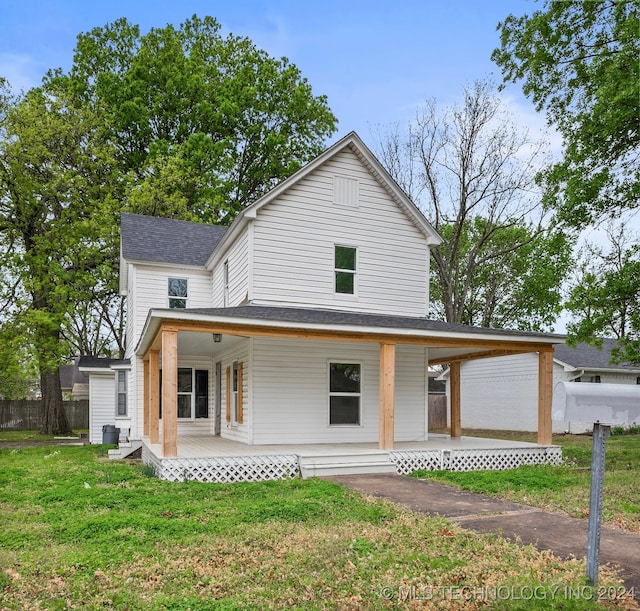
<point>584,356</point>
<point>163,240</point>
<point>353,142</point>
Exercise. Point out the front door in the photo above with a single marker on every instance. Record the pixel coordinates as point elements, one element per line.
<point>202,393</point>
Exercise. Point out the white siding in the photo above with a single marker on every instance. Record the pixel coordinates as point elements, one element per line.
<point>229,430</point>
<point>136,397</point>
<point>291,399</point>
<point>294,238</point>
<point>150,291</point>
<point>238,261</point>
<point>132,313</point>
<point>502,393</point>
<point>102,399</point>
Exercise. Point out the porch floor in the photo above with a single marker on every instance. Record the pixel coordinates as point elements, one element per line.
<point>209,446</point>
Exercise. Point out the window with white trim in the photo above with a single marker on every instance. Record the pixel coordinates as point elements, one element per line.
<point>225,280</point>
<point>344,393</point>
<point>121,393</point>
<point>185,392</point>
<point>193,393</point>
<point>345,269</point>
<point>177,293</point>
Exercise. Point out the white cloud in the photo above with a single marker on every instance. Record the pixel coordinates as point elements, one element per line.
<point>20,70</point>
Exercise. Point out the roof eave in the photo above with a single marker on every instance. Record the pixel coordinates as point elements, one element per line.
<point>156,316</point>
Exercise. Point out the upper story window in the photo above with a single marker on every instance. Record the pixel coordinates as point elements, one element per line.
<point>225,281</point>
<point>177,292</point>
<point>345,270</point>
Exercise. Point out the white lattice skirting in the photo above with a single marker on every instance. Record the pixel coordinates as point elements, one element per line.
<point>286,466</point>
<point>224,470</point>
<point>475,460</point>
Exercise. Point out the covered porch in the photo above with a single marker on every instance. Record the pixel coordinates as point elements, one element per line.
<point>209,458</point>
<point>174,453</point>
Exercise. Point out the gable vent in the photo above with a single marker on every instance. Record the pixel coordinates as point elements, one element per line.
<point>345,191</point>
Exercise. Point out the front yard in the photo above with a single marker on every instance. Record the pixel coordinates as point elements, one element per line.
<point>79,531</point>
<point>565,488</point>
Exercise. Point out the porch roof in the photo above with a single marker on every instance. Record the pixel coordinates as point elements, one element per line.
<point>449,340</point>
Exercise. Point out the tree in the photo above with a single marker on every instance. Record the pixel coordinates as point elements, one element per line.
<point>510,280</point>
<point>472,172</point>
<point>17,375</point>
<point>203,125</point>
<point>178,122</point>
<point>604,297</point>
<point>579,62</point>
<point>55,201</point>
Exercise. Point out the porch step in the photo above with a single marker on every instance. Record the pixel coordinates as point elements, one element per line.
<point>124,449</point>
<point>345,464</point>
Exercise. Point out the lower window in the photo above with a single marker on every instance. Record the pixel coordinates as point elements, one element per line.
<point>193,391</point>
<point>344,393</point>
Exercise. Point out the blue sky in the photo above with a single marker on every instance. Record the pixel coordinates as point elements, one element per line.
<point>376,61</point>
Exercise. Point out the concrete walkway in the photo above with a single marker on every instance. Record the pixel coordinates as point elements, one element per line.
<point>562,534</point>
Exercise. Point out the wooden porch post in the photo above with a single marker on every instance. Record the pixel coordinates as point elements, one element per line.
<point>145,397</point>
<point>545,395</point>
<point>169,392</point>
<point>454,388</point>
<point>387,392</point>
<point>154,396</point>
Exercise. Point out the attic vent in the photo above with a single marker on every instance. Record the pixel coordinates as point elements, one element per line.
<point>345,191</point>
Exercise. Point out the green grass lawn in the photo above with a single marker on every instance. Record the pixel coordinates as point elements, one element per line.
<point>567,487</point>
<point>81,532</point>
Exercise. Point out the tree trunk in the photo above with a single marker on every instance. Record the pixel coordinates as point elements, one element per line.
<point>54,418</point>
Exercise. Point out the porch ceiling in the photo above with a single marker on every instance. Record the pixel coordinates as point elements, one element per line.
<point>202,344</point>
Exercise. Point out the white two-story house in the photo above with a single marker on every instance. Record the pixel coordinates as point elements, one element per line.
<point>302,325</point>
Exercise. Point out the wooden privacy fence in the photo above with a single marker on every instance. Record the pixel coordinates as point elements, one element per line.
<point>437,412</point>
<point>27,415</point>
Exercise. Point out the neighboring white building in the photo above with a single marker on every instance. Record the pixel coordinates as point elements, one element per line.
<point>303,322</point>
<point>501,393</point>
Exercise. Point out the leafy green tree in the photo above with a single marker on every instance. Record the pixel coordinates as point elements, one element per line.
<point>579,61</point>
<point>17,375</point>
<point>604,298</point>
<point>511,280</point>
<point>473,173</point>
<point>55,203</point>
<point>179,122</point>
<point>202,124</point>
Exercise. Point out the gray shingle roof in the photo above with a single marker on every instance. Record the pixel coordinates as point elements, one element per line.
<point>341,317</point>
<point>584,356</point>
<point>99,362</point>
<point>161,240</point>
